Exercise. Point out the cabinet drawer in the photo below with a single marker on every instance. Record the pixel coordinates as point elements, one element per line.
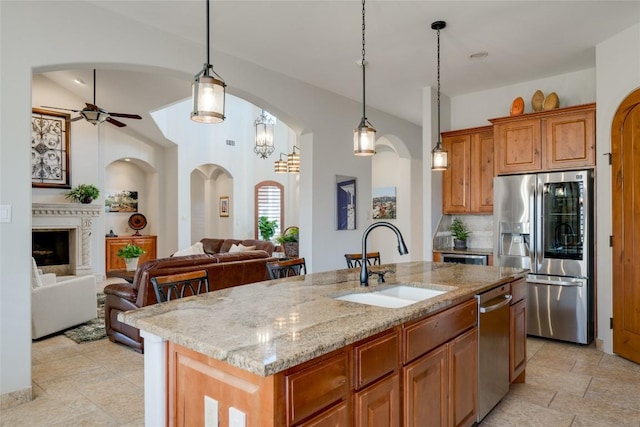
<point>518,290</point>
<point>317,387</point>
<point>424,335</point>
<point>376,358</point>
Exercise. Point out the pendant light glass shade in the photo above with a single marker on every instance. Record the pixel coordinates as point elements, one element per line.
<point>439,157</point>
<point>208,91</point>
<point>293,161</point>
<point>264,136</point>
<point>364,137</point>
<point>95,117</point>
<point>364,140</point>
<point>280,166</point>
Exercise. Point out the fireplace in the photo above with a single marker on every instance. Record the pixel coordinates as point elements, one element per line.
<point>61,237</point>
<point>50,247</point>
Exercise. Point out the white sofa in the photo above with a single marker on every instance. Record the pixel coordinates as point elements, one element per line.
<point>60,303</point>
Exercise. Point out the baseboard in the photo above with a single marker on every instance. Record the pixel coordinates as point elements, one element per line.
<point>15,398</point>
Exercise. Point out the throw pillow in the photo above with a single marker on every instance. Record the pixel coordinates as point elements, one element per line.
<point>36,282</point>
<point>240,248</point>
<point>195,249</point>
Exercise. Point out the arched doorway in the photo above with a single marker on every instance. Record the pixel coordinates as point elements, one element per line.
<point>210,184</point>
<point>625,147</point>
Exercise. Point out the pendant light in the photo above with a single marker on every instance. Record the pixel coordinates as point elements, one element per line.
<point>439,157</point>
<point>264,125</point>
<point>364,137</point>
<point>208,91</point>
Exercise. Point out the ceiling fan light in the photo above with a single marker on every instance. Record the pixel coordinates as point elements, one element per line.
<point>208,99</point>
<point>364,140</point>
<point>95,117</point>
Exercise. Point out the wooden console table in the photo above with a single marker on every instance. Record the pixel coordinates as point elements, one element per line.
<point>113,244</point>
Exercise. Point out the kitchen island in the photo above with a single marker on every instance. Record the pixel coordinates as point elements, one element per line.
<point>275,352</point>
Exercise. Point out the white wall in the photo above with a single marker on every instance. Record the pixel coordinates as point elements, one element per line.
<point>126,176</point>
<point>617,75</point>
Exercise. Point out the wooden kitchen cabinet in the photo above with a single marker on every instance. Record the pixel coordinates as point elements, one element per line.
<point>379,404</point>
<point>518,331</point>
<point>467,185</point>
<point>113,244</point>
<point>563,138</point>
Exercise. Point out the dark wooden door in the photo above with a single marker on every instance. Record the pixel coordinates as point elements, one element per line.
<point>625,144</point>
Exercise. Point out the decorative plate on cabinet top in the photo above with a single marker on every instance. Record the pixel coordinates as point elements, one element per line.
<point>137,222</point>
<point>517,106</point>
<point>551,101</point>
<point>537,100</point>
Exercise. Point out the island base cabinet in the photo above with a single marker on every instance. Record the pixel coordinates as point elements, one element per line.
<point>440,388</point>
<point>337,416</point>
<point>379,404</point>
<point>206,390</point>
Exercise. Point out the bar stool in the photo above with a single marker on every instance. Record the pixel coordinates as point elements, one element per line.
<point>355,260</point>
<point>286,268</point>
<point>180,285</point>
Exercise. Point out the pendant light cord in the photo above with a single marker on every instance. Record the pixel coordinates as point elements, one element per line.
<point>438,88</point>
<point>364,115</point>
<point>208,58</point>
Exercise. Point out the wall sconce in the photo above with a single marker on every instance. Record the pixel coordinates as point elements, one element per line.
<point>280,166</point>
<point>293,161</point>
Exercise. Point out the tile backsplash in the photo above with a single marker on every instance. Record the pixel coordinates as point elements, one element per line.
<point>481,227</point>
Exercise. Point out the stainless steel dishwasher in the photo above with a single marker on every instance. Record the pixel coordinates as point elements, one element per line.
<point>493,347</point>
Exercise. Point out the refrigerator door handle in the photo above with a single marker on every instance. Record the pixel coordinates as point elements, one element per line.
<point>571,283</point>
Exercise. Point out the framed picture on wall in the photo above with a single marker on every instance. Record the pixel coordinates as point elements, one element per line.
<point>384,203</point>
<point>224,206</point>
<point>346,202</point>
<point>121,201</point>
<point>50,136</point>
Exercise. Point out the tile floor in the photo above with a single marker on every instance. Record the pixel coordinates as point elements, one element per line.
<point>100,384</point>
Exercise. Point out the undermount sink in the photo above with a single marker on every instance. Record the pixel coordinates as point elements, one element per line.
<point>395,297</point>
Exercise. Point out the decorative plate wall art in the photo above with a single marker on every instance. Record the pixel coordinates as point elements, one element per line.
<point>50,136</point>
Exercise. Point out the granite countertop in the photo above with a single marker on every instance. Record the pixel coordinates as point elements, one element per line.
<point>469,251</point>
<point>267,327</point>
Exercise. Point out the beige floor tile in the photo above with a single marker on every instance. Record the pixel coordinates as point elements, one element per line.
<point>555,379</point>
<point>595,410</point>
<point>46,411</point>
<point>557,361</point>
<point>522,413</point>
<point>533,345</point>
<point>533,394</point>
<point>60,368</point>
<point>618,362</point>
<point>616,391</point>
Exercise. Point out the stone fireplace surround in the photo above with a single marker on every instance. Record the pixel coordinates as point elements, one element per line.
<point>78,219</point>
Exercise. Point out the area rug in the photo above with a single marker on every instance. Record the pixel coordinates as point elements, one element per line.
<point>93,330</point>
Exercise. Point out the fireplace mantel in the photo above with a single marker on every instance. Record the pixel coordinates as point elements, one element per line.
<point>79,220</point>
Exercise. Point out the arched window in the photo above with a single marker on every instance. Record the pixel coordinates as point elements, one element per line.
<point>269,202</point>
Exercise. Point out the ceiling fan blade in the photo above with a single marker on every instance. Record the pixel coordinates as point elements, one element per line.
<point>115,122</point>
<point>127,116</point>
<point>58,108</point>
<point>75,119</point>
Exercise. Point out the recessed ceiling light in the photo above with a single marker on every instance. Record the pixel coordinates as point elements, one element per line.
<point>479,55</point>
<point>79,81</point>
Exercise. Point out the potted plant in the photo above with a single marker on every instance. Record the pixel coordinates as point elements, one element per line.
<point>289,241</point>
<point>460,234</point>
<point>267,227</point>
<point>130,254</point>
<point>83,193</point>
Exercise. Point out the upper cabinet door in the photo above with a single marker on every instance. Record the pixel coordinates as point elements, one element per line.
<point>456,179</point>
<point>518,146</point>
<point>570,140</point>
<point>482,172</point>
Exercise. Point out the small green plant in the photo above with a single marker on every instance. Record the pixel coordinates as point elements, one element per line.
<point>459,230</point>
<point>130,251</point>
<point>291,235</point>
<point>267,227</point>
<point>83,193</point>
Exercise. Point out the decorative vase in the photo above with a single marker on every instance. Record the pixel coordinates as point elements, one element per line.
<point>132,263</point>
<point>291,249</point>
<point>459,244</point>
<point>86,200</point>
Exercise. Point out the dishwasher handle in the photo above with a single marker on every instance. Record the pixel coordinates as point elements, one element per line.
<point>505,301</point>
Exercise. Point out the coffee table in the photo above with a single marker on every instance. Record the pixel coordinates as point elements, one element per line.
<point>123,274</point>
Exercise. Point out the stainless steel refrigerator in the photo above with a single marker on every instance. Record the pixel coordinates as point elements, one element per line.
<point>544,222</point>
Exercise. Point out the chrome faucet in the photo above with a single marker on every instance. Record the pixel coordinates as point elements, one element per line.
<point>402,248</point>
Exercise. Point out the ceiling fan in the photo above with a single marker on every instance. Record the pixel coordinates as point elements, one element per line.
<point>96,115</point>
